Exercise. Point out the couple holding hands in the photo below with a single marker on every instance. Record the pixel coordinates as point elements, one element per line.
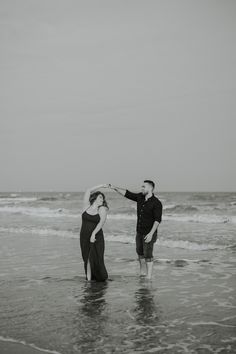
<point>94,214</point>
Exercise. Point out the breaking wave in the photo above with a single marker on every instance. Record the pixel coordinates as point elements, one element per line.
<point>62,212</point>
<point>38,211</point>
<point>123,238</point>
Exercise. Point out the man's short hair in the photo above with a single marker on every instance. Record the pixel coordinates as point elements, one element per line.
<point>150,182</point>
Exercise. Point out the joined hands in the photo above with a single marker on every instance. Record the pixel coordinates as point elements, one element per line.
<point>107,185</point>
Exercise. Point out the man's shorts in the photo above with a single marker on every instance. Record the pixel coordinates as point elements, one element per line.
<point>145,249</point>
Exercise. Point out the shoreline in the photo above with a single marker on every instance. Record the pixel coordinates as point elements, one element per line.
<point>13,346</point>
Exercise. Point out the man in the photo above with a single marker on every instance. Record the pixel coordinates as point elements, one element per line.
<point>149,216</point>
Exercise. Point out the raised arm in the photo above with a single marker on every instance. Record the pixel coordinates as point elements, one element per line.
<point>118,189</point>
<point>125,192</point>
<point>88,193</point>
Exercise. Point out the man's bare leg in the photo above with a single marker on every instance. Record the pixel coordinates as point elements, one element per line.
<point>143,267</point>
<point>149,269</point>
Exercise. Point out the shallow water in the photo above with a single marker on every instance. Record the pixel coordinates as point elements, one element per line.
<point>188,307</point>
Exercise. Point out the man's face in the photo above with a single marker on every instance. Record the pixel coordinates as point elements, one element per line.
<point>146,188</point>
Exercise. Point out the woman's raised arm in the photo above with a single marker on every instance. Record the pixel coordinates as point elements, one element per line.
<point>88,193</point>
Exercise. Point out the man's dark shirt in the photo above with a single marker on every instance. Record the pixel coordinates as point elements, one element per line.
<point>148,211</point>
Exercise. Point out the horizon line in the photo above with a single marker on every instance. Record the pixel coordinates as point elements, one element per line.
<point>82,191</point>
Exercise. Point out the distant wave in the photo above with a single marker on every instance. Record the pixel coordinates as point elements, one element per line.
<point>62,212</point>
<point>168,206</point>
<point>201,218</point>
<point>123,238</point>
<point>204,196</point>
<point>180,208</point>
<point>8,200</point>
<point>8,195</point>
<point>40,231</point>
<point>37,211</point>
<point>20,198</point>
<point>54,197</point>
<point>198,218</point>
<point>121,216</point>
<point>48,199</point>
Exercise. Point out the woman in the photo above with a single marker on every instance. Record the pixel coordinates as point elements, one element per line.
<point>91,234</point>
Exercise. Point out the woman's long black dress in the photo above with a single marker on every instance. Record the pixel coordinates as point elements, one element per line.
<point>93,251</point>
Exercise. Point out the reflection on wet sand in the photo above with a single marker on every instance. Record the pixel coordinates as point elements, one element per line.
<point>146,310</point>
<point>92,316</point>
<point>148,317</point>
<point>93,299</point>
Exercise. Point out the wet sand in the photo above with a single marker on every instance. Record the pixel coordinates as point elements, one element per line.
<point>188,307</point>
<point>18,348</point>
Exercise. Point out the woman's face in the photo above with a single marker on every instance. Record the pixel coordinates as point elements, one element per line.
<point>99,200</point>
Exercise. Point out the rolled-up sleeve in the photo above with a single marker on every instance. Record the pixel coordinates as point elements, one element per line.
<point>131,195</point>
<point>158,212</point>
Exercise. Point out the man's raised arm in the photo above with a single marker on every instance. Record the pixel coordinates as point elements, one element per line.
<point>125,192</point>
<point>119,190</point>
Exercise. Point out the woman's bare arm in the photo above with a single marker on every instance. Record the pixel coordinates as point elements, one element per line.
<point>88,193</point>
<point>103,215</point>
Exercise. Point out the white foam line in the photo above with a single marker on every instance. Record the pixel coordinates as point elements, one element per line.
<point>210,324</point>
<point>229,340</point>
<point>44,232</point>
<point>228,318</point>
<point>183,244</point>
<point>11,340</point>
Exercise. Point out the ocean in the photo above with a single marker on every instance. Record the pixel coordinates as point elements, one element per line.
<point>47,306</point>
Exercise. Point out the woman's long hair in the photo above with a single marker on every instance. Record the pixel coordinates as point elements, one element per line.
<point>93,197</point>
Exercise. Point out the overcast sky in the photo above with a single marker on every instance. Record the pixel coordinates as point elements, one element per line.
<point>117,91</point>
